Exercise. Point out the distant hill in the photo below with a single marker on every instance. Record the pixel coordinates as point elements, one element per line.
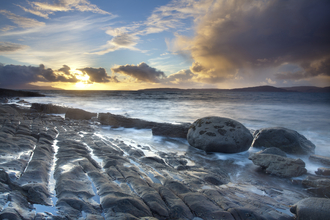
<point>260,89</point>
<point>18,93</point>
<point>307,89</point>
<point>252,89</point>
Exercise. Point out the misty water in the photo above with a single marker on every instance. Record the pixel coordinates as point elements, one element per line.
<point>307,113</point>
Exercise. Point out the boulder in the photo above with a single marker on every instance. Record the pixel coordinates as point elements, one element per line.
<point>287,140</point>
<point>217,134</point>
<point>171,130</point>
<point>320,159</point>
<point>277,164</point>
<point>318,185</point>
<point>49,108</point>
<point>312,208</point>
<point>79,114</point>
<point>324,171</point>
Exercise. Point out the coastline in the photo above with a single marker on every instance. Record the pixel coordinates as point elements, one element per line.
<point>97,177</point>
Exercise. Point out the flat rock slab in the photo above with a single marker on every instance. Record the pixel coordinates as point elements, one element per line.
<point>279,165</point>
<point>324,171</point>
<point>217,134</point>
<point>318,185</point>
<point>286,139</point>
<point>312,208</point>
<point>320,159</point>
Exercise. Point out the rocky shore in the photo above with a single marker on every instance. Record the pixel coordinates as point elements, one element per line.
<point>61,168</point>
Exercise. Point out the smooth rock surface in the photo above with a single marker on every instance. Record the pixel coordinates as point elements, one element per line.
<point>79,114</point>
<point>320,159</point>
<point>312,209</point>
<point>278,165</point>
<point>217,134</point>
<point>171,130</point>
<point>49,108</point>
<point>325,171</point>
<point>318,185</point>
<point>286,139</point>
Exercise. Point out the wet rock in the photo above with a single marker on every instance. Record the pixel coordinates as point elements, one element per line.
<point>318,185</point>
<point>153,161</point>
<point>171,130</point>
<point>125,204</point>
<point>286,139</point>
<point>312,208</point>
<point>320,159</point>
<point>38,193</point>
<point>204,208</point>
<point>8,110</point>
<point>79,114</point>
<point>323,171</point>
<point>49,108</point>
<point>273,150</point>
<point>278,165</point>
<point>177,208</point>
<point>117,121</point>
<point>217,134</point>
<point>136,153</point>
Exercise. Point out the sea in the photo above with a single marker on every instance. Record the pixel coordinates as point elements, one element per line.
<point>306,113</point>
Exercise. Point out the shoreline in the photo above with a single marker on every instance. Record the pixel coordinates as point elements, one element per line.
<point>113,179</point>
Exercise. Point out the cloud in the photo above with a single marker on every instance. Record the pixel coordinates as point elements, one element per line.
<point>98,75</point>
<point>35,12</point>
<point>164,18</point>
<point>66,5</point>
<point>22,21</point>
<point>13,75</point>
<point>119,41</point>
<point>183,76</point>
<point>141,72</point>
<point>7,28</point>
<point>308,70</point>
<point>10,47</point>
<point>243,35</point>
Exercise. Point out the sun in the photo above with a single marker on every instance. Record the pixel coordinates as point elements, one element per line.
<point>83,79</point>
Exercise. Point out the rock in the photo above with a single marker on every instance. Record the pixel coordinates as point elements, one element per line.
<point>14,93</point>
<point>323,171</point>
<point>171,130</point>
<point>79,114</point>
<point>117,121</point>
<point>8,109</point>
<point>278,165</point>
<point>217,134</point>
<point>312,208</point>
<point>320,159</point>
<point>49,108</point>
<point>287,140</point>
<point>317,185</point>
<point>273,150</point>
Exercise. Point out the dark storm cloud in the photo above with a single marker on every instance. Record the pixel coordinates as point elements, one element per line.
<point>12,75</point>
<point>10,47</point>
<point>98,75</point>
<point>309,70</point>
<point>257,34</point>
<point>65,69</point>
<point>141,72</point>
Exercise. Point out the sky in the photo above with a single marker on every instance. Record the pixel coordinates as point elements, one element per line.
<point>129,44</point>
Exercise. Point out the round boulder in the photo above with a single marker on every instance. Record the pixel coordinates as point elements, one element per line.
<point>217,134</point>
<point>312,208</point>
<point>287,140</point>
